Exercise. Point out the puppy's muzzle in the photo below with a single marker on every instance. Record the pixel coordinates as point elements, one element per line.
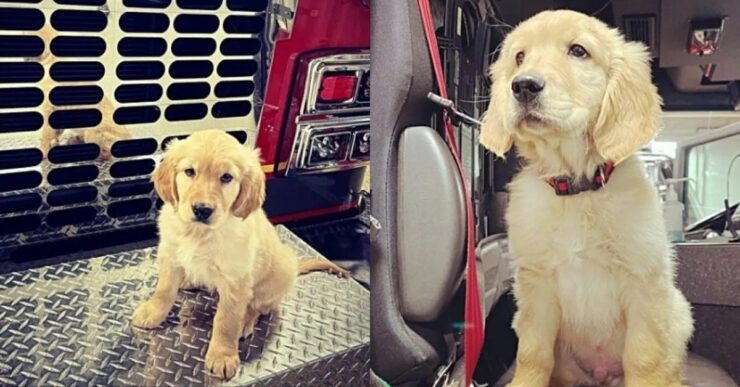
<point>202,212</point>
<point>526,87</point>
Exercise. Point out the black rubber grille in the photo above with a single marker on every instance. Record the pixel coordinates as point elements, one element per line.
<point>23,46</point>
<point>130,188</point>
<point>128,71</point>
<point>138,93</point>
<point>78,46</point>
<point>244,24</point>
<point>76,95</point>
<point>203,24</point>
<point>77,71</point>
<point>21,97</point>
<point>147,3</point>
<point>67,196</point>
<point>114,68</point>
<point>194,90</point>
<point>184,69</point>
<point>144,22</point>
<point>81,2</point>
<point>21,72</point>
<point>73,20</point>
<point>21,19</point>
<point>73,153</point>
<point>246,5</point>
<point>19,158</point>
<point>20,203</point>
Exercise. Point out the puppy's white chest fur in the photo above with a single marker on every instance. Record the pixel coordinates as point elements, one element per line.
<point>208,257</point>
<point>211,262</point>
<point>588,299</point>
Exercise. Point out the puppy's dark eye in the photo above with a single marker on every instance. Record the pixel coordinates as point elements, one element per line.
<point>519,58</point>
<point>190,172</point>
<point>578,51</point>
<point>226,178</point>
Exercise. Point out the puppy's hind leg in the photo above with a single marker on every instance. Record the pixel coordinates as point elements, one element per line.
<point>655,345</point>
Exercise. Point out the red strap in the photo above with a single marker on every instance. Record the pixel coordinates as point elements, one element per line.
<point>474,323</point>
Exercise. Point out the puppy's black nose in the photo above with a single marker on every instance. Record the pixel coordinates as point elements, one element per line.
<point>527,86</point>
<point>202,211</point>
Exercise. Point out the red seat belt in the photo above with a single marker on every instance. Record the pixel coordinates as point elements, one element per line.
<point>474,323</point>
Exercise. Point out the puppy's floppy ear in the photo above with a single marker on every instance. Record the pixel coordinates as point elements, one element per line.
<point>493,135</point>
<point>251,189</point>
<point>630,111</point>
<point>164,176</point>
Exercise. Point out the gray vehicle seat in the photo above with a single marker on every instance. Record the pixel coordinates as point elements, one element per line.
<point>417,254</point>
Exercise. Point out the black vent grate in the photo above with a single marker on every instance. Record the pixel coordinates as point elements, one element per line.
<point>641,28</point>
<point>78,144</point>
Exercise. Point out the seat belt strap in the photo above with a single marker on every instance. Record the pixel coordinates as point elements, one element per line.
<point>473,333</point>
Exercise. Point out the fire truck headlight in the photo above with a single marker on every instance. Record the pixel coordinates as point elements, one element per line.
<point>329,148</point>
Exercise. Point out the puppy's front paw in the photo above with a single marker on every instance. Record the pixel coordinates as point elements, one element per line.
<point>148,315</point>
<point>222,362</point>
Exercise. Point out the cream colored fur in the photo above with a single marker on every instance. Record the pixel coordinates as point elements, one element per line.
<point>104,135</point>
<point>594,272</point>
<point>237,253</point>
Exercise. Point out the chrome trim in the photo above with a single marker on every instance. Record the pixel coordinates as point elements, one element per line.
<point>359,63</point>
<point>302,147</point>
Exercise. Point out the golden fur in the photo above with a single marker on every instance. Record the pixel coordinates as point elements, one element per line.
<point>104,135</point>
<point>594,272</point>
<point>237,252</point>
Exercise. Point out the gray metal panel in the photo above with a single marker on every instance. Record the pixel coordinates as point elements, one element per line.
<point>69,324</point>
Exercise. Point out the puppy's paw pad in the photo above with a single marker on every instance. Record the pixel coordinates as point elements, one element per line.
<point>148,316</point>
<point>222,364</point>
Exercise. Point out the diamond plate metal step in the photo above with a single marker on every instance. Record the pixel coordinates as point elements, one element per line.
<point>69,324</point>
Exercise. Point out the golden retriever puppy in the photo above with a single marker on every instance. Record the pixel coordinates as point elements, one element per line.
<point>594,272</point>
<point>214,234</point>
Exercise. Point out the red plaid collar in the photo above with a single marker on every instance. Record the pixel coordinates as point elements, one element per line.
<point>565,185</point>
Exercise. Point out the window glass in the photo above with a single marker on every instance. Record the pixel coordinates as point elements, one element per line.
<point>707,165</point>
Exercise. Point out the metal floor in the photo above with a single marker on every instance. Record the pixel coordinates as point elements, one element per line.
<point>69,324</point>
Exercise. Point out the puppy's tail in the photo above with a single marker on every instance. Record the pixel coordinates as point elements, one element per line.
<point>306,266</point>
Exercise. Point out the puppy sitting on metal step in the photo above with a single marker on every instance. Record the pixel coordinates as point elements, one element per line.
<point>214,234</point>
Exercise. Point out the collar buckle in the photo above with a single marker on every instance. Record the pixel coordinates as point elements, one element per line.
<point>602,176</point>
<point>563,185</point>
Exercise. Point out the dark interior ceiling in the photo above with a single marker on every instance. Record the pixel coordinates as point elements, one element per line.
<point>678,75</point>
